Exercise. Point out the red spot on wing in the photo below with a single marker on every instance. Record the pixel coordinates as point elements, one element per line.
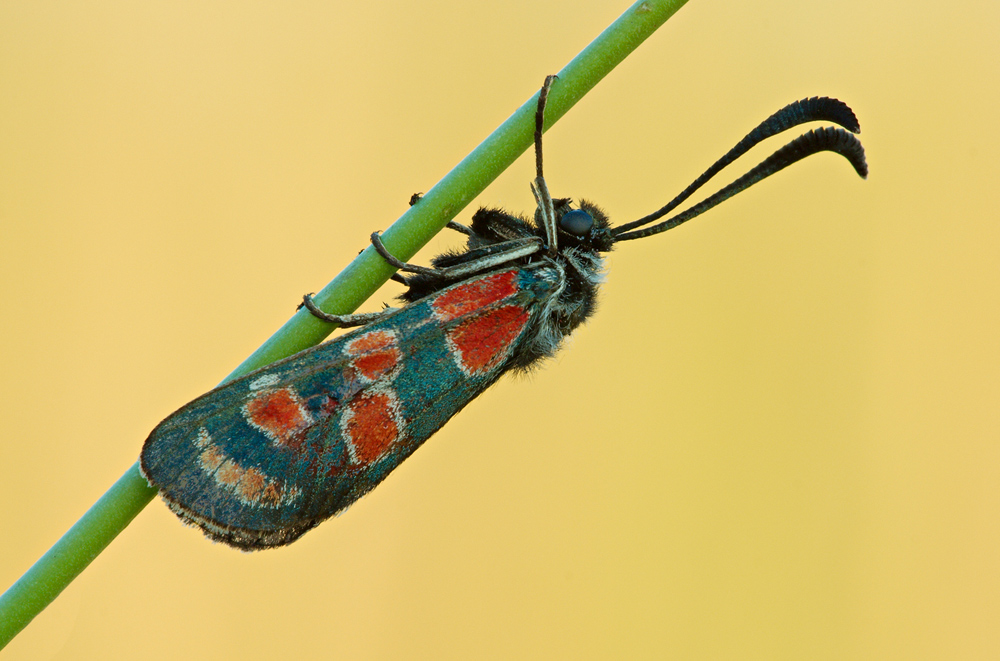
<point>377,353</point>
<point>279,414</point>
<point>482,342</point>
<point>371,425</point>
<point>374,365</point>
<point>368,342</point>
<point>475,294</point>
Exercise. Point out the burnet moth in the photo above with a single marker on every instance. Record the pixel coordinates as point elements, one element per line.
<point>259,461</point>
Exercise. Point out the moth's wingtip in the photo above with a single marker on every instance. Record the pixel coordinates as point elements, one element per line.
<point>241,539</point>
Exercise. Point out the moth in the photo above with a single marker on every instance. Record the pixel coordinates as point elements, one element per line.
<point>261,460</point>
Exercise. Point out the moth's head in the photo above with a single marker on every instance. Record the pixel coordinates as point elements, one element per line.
<point>585,226</point>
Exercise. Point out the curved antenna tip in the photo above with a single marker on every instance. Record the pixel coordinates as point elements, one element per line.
<point>828,109</point>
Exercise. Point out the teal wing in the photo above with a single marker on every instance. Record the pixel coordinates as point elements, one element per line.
<point>261,460</point>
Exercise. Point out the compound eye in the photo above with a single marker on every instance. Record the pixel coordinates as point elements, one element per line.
<point>576,222</point>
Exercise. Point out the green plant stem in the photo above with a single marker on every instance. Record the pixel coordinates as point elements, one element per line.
<point>125,499</point>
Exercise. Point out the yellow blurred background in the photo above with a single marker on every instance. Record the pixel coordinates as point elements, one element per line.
<point>778,438</point>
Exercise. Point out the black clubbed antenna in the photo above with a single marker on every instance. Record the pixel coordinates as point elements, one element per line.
<point>794,114</point>
<point>817,140</point>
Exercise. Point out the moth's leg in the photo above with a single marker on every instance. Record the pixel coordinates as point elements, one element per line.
<point>344,320</point>
<point>395,277</point>
<point>495,255</point>
<point>459,227</point>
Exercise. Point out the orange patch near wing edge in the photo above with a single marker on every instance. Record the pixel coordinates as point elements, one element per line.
<point>251,486</point>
